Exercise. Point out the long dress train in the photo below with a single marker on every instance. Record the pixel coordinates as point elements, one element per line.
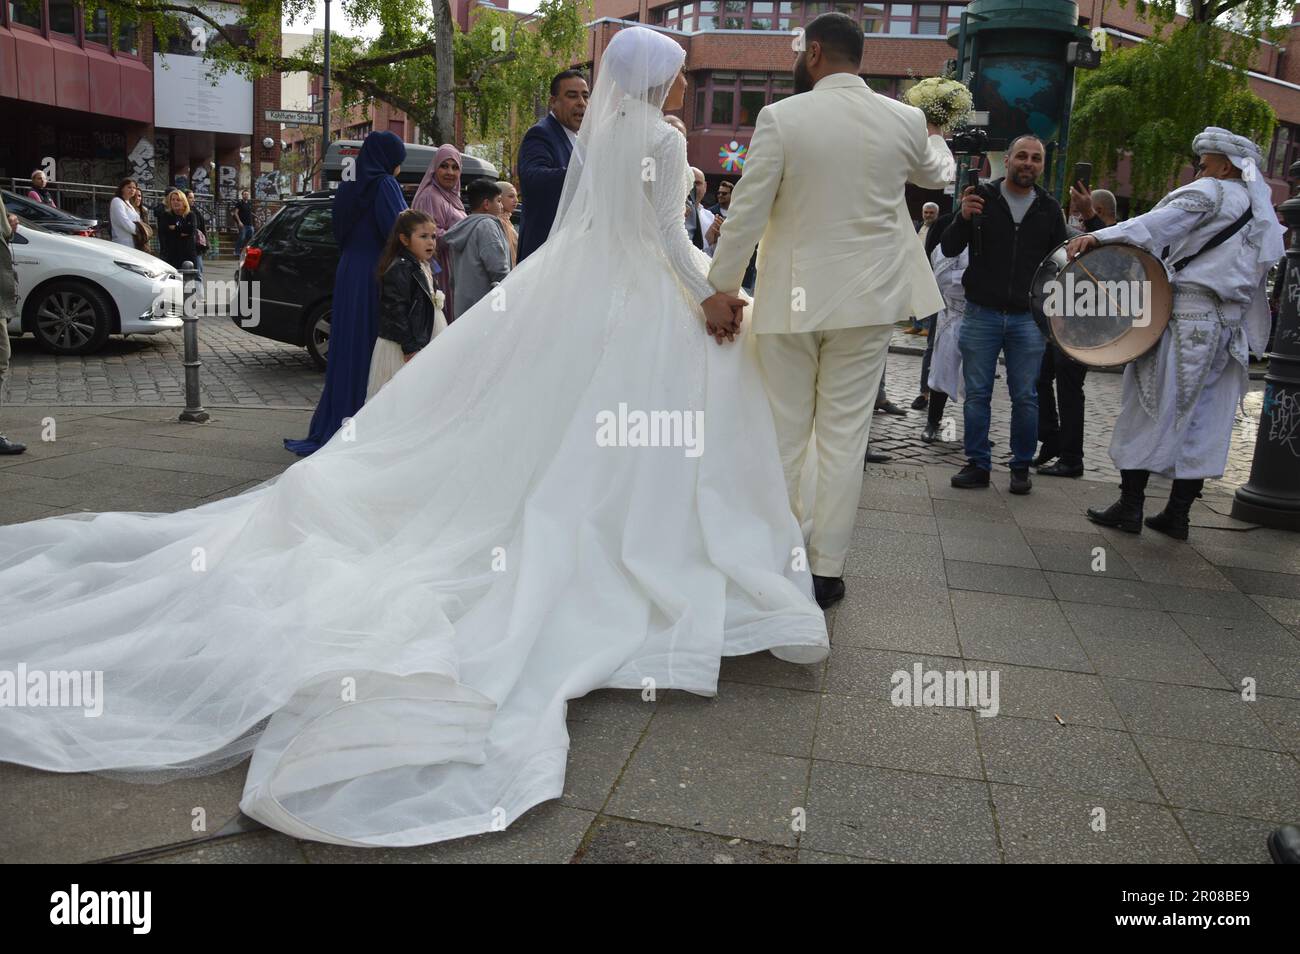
<point>393,626</point>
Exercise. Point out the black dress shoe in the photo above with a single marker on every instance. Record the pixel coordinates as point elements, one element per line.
<point>930,433</point>
<point>1061,469</point>
<point>1284,845</point>
<point>874,458</point>
<point>921,403</point>
<point>1048,453</point>
<point>889,407</point>
<point>1020,482</point>
<point>970,477</point>
<point>10,447</point>
<point>829,590</point>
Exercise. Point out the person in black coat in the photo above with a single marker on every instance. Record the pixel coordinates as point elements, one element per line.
<point>177,226</point>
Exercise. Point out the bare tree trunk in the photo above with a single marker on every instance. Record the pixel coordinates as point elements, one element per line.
<point>442,124</point>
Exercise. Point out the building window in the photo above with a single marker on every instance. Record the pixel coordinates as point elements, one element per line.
<point>1284,140</point>
<point>63,17</point>
<point>127,39</point>
<point>25,12</point>
<point>901,19</point>
<point>731,99</point>
<point>891,86</point>
<point>929,19</point>
<point>97,28</point>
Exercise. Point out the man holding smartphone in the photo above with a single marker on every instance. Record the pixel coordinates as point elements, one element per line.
<point>1010,224</point>
<point>1060,379</point>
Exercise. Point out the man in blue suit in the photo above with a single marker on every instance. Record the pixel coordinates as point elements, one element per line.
<point>544,158</point>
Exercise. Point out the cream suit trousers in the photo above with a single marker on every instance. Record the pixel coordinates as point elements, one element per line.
<point>825,382</point>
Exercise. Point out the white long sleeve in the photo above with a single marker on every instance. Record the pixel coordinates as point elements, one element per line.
<point>668,194</point>
<point>1153,230</point>
<point>123,220</point>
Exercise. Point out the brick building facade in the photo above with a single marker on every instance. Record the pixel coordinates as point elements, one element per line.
<point>739,57</point>
<point>90,103</point>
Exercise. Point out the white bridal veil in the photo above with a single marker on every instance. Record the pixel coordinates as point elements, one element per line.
<point>393,626</point>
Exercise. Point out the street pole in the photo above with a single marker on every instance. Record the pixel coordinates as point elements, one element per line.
<point>194,412</point>
<point>1271,497</point>
<point>325,88</point>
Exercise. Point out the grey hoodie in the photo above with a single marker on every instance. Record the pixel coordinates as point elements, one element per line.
<point>480,258</point>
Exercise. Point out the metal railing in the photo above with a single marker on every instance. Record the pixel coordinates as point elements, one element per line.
<point>91,201</point>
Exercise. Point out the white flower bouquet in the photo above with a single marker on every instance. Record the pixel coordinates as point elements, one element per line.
<point>945,102</point>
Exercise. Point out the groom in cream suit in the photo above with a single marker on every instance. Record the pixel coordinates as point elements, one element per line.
<point>838,264</point>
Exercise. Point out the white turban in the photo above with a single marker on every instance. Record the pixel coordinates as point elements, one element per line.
<point>640,60</point>
<point>1264,231</point>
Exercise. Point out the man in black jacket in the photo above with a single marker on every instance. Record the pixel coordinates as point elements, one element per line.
<point>1011,225</point>
<point>1060,380</point>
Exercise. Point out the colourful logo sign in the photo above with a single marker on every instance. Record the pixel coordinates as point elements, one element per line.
<point>732,156</point>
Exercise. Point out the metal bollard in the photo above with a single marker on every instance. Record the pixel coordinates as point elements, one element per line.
<point>193,413</point>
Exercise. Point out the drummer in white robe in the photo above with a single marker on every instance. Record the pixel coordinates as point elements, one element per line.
<point>1180,398</point>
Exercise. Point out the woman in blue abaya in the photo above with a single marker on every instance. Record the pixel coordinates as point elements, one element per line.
<point>365,209</point>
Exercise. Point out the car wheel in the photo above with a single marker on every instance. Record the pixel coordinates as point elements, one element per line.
<point>317,334</point>
<point>70,317</point>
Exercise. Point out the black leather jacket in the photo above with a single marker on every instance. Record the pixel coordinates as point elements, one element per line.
<point>999,276</point>
<point>406,305</point>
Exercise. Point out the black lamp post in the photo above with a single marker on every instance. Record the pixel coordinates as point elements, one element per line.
<point>1271,497</point>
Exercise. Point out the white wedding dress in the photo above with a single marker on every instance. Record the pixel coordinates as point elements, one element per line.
<point>393,626</point>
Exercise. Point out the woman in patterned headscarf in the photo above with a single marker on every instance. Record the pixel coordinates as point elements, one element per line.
<point>439,196</point>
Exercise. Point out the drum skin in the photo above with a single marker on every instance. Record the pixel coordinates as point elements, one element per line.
<point>1107,307</point>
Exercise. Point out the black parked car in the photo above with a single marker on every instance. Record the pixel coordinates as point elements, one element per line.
<point>51,219</point>
<point>292,259</point>
<point>293,256</point>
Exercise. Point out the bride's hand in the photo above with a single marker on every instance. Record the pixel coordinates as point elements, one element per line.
<point>722,315</point>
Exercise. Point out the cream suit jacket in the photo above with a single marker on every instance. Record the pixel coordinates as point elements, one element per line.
<point>822,197</point>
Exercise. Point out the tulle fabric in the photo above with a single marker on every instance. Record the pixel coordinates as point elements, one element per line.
<point>393,626</point>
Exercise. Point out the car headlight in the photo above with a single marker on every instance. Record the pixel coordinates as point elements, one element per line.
<point>143,271</point>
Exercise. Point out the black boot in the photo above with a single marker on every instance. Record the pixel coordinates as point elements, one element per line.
<point>1126,513</point>
<point>1173,520</point>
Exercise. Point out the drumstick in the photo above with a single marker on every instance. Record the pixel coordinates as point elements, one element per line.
<point>1112,301</point>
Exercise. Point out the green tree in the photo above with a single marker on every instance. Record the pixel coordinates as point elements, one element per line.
<point>1149,100</point>
<point>420,62</point>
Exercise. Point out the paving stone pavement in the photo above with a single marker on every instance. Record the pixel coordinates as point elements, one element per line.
<point>243,370</point>
<point>239,369</point>
<point>1122,732</point>
<point>900,436</point>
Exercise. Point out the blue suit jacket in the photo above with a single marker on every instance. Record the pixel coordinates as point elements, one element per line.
<point>543,161</point>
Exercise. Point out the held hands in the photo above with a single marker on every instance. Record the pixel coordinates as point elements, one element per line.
<point>722,316</point>
<point>971,203</point>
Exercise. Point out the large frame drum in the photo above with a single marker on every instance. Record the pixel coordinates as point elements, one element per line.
<point>1107,307</point>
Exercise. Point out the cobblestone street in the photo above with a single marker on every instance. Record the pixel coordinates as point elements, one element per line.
<point>241,369</point>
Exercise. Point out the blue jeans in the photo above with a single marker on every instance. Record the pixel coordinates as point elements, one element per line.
<point>984,333</point>
<point>245,236</point>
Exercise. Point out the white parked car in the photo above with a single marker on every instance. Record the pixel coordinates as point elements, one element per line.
<point>74,292</point>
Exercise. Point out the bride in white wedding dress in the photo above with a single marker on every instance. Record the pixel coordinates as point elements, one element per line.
<point>393,626</point>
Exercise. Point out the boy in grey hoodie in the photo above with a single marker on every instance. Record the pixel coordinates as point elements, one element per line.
<point>480,255</point>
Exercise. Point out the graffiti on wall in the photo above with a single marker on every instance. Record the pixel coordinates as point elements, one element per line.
<point>228,182</point>
<point>140,162</point>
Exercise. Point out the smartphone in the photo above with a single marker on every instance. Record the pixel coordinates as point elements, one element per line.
<point>973,177</point>
<point>1082,173</point>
